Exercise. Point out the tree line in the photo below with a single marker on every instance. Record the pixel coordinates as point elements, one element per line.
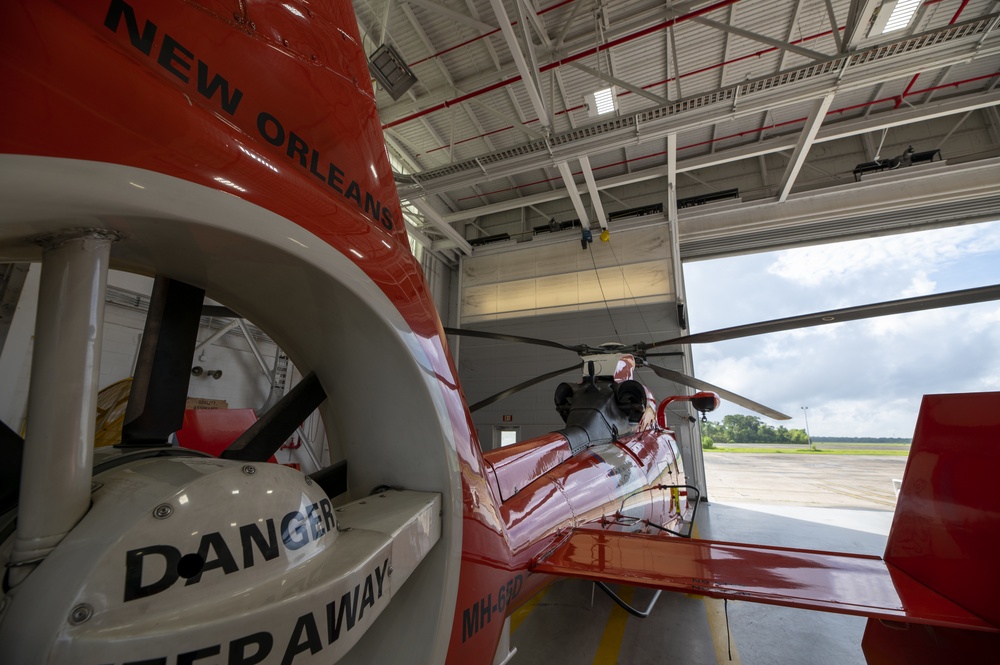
<point>751,429</point>
<point>863,439</point>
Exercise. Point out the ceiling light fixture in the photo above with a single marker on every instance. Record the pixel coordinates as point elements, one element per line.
<point>601,102</point>
<point>390,70</point>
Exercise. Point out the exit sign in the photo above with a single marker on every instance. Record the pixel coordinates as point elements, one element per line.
<point>508,418</point>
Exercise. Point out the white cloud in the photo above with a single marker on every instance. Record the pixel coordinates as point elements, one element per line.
<point>855,261</point>
<point>862,378</point>
<point>920,285</point>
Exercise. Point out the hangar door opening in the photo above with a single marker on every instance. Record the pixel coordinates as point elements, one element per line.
<point>617,291</point>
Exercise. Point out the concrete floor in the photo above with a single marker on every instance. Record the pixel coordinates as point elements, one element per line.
<point>830,481</point>
<point>838,503</point>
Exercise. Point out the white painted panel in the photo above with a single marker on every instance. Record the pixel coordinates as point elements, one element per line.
<point>560,277</point>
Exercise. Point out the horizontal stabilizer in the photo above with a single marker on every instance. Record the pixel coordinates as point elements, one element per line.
<point>827,581</point>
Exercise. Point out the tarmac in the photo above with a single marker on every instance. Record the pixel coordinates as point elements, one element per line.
<point>829,481</point>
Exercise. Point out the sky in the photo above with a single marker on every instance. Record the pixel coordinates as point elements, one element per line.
<point>861,378</point>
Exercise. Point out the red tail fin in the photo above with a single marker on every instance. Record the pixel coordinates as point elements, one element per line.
<point>946,531</point>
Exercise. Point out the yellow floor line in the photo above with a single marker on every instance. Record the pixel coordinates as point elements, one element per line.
<point>614,631</point>
<point>718,626</point>
<point>521,613</point>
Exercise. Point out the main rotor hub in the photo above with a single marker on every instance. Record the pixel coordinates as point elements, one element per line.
<point>620,366</point>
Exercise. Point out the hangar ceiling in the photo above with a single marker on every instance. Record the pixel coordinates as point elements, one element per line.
<point>776,99</point>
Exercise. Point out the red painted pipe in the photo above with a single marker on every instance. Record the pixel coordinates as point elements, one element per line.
<point>484,35</point>
<point>702,70</point>
<point>954,19</point>
<point>844,109</point>
<point>565,61</point>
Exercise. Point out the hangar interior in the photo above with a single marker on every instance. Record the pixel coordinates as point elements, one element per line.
<point>735,127</point>
<point>520,131</point>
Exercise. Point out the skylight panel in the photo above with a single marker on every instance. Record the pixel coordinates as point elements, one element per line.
<point>901,15</point>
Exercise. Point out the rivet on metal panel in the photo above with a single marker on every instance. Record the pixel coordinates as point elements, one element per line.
<point>163,511</point>
<point>249,469</point>
<point>80,614</point>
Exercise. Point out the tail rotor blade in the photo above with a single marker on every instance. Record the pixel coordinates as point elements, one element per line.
<point>156,404</point>
<point>264,437</point>
<point>698,384</point>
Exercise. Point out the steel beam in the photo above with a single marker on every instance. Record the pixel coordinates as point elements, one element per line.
<point>574,193</point>
<point>805,142</point>
<point>763,39</point>
<point>527,75</point>
<point>530,15</point>
<point>516,124</point>
<point>595,196</point>
<point>434,217</point>
<point>457,17</point>
<point>612,139</point>
<point>901,191</point>
<point>833,26</point>
<point>765,147</point>
<point>614,80</point>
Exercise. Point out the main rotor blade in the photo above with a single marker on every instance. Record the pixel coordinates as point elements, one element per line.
<point>917,304</point>
<point>468,332</point>
<point>521,386</point>
<point>698,384</point>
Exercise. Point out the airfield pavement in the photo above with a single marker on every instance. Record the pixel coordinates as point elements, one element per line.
<point>833,481</point>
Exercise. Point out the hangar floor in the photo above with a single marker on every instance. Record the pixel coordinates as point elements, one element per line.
<point>754,499</point>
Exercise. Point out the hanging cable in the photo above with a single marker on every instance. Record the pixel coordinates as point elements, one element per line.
<point>607,307</point>
<point>729,633</point>
<point>628,288</point>
<point>625,606</point>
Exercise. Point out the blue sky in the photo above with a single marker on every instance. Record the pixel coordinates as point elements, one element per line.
<point>861,378</point>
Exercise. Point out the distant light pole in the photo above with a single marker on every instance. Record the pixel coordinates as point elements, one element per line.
<point>805,413</point>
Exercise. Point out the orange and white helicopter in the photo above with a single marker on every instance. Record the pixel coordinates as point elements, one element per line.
<point>232,149</point>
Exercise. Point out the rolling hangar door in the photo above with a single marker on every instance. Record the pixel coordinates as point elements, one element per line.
<point>617,291</point>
